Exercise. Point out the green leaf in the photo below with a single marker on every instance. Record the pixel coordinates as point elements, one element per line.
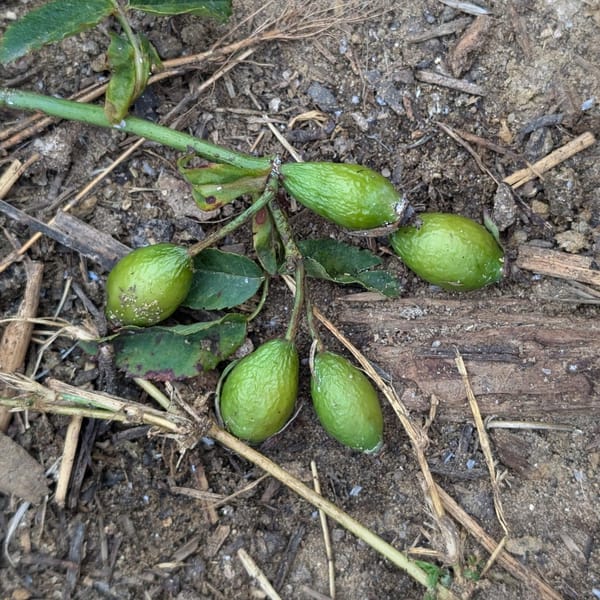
<point>169,353</point>
<point>342,263</point>
<point>50,23</point>
<point>222,280</point>
<point>131,67</point>
<point>220,9</point>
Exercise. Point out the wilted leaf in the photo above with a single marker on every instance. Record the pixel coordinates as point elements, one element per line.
<point>222,280</point>
<point>220,9</point>
<point>169,353</point>
<point>342,263</point>
<point>50,23</point>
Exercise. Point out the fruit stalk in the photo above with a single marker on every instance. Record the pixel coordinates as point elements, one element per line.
<point>94,115</point>
<point>295,263</point>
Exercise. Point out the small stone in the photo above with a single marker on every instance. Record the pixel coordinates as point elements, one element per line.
<point>323,97</point>
<point>572,241</point>
<point>505,208</point>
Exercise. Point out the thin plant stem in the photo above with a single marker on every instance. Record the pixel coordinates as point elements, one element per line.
<point>295,263</point>
<point>94,115</point>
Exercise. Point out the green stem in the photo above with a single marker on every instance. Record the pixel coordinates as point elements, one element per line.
<point>295,263</point>
<point>310,320</point>
<point>261,302</point>
<point>263,200</point>
<point>94,115</point>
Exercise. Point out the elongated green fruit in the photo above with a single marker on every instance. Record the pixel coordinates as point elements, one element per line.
<point>451,251</point>
<point>349,195</point>
<point>346,403</point>
<point>258,395</point>
<point>148,285</point>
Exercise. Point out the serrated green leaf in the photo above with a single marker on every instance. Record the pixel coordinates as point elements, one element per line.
<point>131,67</point>
<point>50,23</point>
<point>220,9</point>
<point>180,352</point>
<point>342,263</point>
<point>222,280</point>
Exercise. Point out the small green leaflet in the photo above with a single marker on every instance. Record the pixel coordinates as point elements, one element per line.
<point>220,9</point>
<point>342,263</point>
<point>180,352</point>
<point>222,280</point>
<point>50,23</point>
<point>130,69</point>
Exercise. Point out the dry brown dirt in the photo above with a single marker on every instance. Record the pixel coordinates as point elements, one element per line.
<point>530,343</point>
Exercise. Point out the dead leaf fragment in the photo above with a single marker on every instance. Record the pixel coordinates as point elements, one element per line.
<point>20,474</point>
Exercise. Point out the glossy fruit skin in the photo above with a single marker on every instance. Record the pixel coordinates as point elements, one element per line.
<point>450,251</point>
<point>346,403</point>
<point>148,285</point>
<point>351,196</point>
<point>259,394</point>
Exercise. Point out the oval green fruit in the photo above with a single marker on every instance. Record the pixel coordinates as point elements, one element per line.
<point>148,284</point>
<point>349,195</point>
<point>346,403</point>
<point>258,395</point>
<point>450,251</point>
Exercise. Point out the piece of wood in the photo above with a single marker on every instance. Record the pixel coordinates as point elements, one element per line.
<point>521,177</point>
<point>558,264</point>
<point>450,82</point>
<point>17,334</point>
<point>521,362</point>
<point>74,234</point>
<point>462,54</point>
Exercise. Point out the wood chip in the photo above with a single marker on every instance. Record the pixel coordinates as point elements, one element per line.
<point>461,56</point>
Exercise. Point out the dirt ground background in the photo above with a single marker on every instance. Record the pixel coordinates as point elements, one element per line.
<point>538,59</point>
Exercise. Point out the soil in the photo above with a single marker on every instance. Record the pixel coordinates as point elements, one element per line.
<point>352,93</point>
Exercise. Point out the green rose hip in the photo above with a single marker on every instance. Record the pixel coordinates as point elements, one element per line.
<point>450,251</point>
<point>346,403</point>
<point>258,395</point>
<point>349,195</point>
<point>148,285</point>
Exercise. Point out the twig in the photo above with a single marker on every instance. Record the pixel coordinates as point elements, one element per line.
<point>450,82</point>
<point>255,572</point>
<point>70,205</point>
<point>506,560</point>
<point>68,458</point>
<point>61,398</point>
<point>519,178</point>
<point>17,334</point>
<point>487,453</point>
<point>326,537</point>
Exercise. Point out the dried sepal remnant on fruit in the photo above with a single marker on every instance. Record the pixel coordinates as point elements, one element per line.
<point>451,251</point>
<point>258,395</point>
<point>346,402</point>
<point>148,285</point>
